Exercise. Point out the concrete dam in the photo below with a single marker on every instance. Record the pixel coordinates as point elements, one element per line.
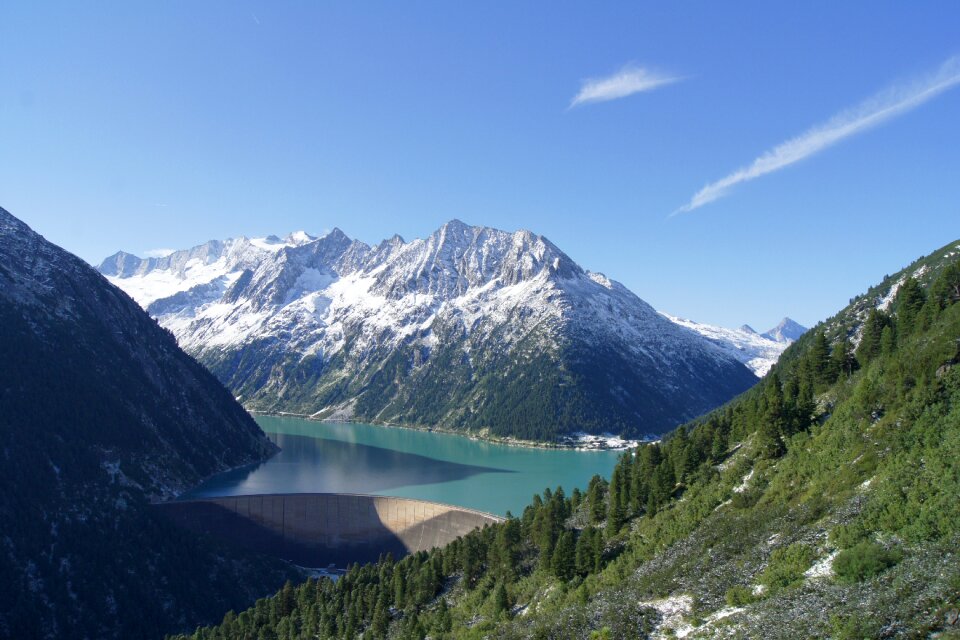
<point>320,529</point>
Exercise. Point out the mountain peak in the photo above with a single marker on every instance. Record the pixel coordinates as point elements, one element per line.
<point>335,234</point>
<point>300,237</point>
<point>455,224</point>
<point>787,331</point>
<point>509,301</point>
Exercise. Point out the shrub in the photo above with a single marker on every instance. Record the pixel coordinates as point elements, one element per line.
<point>739,596</point>
<point>845,536</point>
<point>862,561</point>
<point>855,627</point>
<point>786,566</point>
<point>746,499</point>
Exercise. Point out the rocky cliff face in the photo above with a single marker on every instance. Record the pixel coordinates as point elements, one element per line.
<point>469,328</point>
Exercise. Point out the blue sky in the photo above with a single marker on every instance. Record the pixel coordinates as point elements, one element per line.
<point>139,126</point>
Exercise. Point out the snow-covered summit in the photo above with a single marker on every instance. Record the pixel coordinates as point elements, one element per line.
<point>324,316</point>
<point>786,332</point>
<point>758,351</point>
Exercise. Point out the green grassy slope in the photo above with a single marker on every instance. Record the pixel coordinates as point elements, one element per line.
<point>825,502</point>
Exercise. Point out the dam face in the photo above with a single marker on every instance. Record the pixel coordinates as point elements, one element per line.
<point>320,529</point>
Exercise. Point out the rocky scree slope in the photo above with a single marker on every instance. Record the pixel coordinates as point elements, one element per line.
<point>470,328</point>
<point>101,412</point>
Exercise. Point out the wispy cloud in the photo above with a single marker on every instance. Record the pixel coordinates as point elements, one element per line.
<point>881,107</point>
<point>629,80</point>
<point>158,253</point>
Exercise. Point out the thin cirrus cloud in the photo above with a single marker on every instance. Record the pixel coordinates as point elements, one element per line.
<point>887,104</point>
<point>626,82</point>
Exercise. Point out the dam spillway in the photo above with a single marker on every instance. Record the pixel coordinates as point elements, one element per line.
<point>320,529</point>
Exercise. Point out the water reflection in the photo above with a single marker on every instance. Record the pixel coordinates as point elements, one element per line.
<point>308,464</point>
<point>362,458</point>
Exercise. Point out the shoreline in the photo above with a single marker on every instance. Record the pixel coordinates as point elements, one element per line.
<point>583,441</point>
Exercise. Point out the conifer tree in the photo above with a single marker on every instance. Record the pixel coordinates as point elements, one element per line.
<point>888,340</point>
<point>910,300</point>
<point>597,505</point>
<point>399,590</point>
<point>443,622</point>
<point>501,600</point>
<point>842,361</point>
<point>872,332</point>
<point>381,619</point>
<point>769,440</point>
<point>617,508</point>
<point>819,358</point>
<point>564,556</point>
<point>945,291</point>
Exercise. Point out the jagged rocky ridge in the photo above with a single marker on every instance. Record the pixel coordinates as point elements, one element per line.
<point>470,328</point>
<point>100,412</point>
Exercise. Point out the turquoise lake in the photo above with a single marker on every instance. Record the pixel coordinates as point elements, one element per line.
<point>322,457</point>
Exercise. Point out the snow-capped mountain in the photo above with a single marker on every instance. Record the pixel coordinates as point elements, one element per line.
<point>786,332</point>
<point>471,327</point>
<point>758,351</point>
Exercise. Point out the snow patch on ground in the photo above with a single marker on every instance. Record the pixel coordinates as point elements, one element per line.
<point>822,568</point>
<point>720,614</point>
<point>887,300</point>
<point>673,613</point>
<point>740,488</point>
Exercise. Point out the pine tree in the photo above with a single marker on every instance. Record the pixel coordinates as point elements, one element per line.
<point>443,623</point>
<point>870,346</point>
<point>380,623</point>
<point>769,440</point>
<point>819,358</point>
<point>910,300</point>
<point>842,360</point>
<point>617,508</point>
<point>584,551</point>
<point>945,291</point>
<point>399,590</point>
<point>501,600</point>
<point>595,494</point>
<point>888,340</point>
<point>564,556</point>
<point>505,551</point>
<point>286,599</point>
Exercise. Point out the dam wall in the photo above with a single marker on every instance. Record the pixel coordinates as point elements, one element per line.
<point>320,529</point>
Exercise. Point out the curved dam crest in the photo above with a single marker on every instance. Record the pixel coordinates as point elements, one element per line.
<point>322,529</point>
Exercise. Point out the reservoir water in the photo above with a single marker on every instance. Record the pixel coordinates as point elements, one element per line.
<point>321,457</point>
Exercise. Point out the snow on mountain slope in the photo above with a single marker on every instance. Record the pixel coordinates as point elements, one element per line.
<point>150,279</point>
<point>438,330</point>
<point>758,351</point>
<point>786,332</point>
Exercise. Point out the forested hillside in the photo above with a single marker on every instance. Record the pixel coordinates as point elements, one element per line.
<point>100,412</point>
<point>823,502</point>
